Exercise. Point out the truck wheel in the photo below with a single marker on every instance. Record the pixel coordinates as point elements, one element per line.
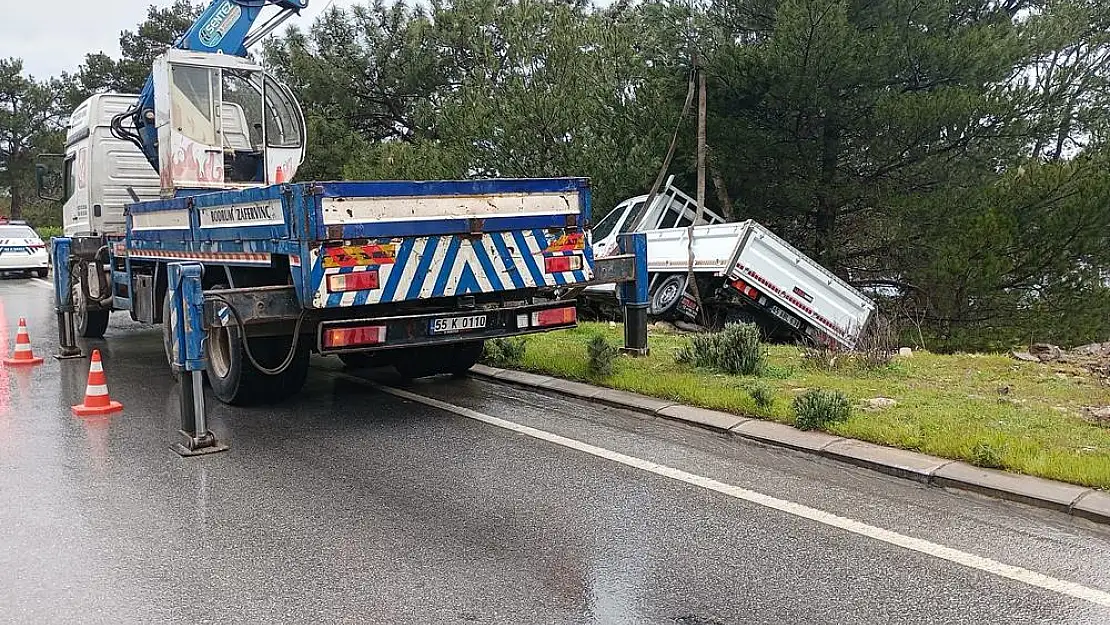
<point>465,356</point>
<point>234,380</point>
<point>665,295</point>
<point>418,362</point>
<point>42,273</point>
<point>356,360</point>
<point>421,362</point>
<point>90,324</point>
<point>167,338</point>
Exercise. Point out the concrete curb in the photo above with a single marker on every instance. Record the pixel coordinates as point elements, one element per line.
<point>1079,501</point>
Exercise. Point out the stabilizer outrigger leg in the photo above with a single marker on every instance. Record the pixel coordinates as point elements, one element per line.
<point>187,331</point>
<point>634,296</point>
<point>63,300</point>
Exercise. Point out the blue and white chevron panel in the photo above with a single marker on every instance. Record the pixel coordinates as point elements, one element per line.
<point>412,268</point>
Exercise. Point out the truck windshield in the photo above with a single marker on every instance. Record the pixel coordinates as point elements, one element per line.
<point>628,224</point>
<point>614,219</point>
<point>606,225</point>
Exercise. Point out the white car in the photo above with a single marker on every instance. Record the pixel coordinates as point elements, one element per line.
<point>21,249</point>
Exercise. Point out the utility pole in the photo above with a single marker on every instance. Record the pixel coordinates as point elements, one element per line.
<point>691,280</point>
<point>701,138</point>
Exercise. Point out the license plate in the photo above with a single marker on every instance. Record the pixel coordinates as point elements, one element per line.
<point>452,325</point>
<point>788,318</point>
<point>688,307</point>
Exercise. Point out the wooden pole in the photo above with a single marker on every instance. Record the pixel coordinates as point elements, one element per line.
<point>701,142</point>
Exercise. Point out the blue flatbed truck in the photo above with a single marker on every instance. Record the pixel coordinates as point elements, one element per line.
<point>199,168</point>
<point>345,268</point>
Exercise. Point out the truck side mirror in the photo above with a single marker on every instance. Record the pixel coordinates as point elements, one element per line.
<point>49,180</point>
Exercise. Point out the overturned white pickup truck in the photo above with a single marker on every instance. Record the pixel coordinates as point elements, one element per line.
<point>742,273</point>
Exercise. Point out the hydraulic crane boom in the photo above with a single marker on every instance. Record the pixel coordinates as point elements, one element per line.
<point>225,27</point>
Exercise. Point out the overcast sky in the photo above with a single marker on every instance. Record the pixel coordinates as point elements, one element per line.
<point>52,36</point>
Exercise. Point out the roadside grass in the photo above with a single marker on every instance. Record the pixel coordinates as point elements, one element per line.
<point>980,408</point>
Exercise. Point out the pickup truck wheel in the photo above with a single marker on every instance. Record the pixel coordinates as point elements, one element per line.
<point>665,295</point>
<point>89,324</point>
<point>42,273</point>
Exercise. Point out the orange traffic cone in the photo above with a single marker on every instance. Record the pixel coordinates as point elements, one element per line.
<point>97,401</point>
<point>23,354</point>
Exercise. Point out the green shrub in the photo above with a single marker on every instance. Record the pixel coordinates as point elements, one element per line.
<point>505,352</point>
<point>986,455</point>
<point>600,357</point>
<point>875,350</point>
<point>762,395</point>
<point>47,232</point>
<point>736,349</point>
<point>816,409</point>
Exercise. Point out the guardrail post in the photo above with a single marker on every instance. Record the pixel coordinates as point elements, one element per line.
<point>187,332</point>
<point>634,296</point>
<point>63,299</point>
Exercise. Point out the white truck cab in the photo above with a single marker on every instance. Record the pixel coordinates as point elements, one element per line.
<point>99,169</point>
<point>671,209</point>
<point>227,125</point>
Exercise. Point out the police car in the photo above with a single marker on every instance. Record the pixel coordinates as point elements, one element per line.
<point>22,250</point>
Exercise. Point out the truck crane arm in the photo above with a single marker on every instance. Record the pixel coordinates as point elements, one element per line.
<point>227,27</point>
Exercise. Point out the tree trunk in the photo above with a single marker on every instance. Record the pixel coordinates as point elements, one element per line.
<point>16,197</point>
<point>825,249</point>
<point>720,186</point>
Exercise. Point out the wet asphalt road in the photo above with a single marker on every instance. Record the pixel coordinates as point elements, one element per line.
<point>353,505</point>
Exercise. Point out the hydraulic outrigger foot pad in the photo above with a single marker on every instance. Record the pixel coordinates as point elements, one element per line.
<point>68,353</point>
<point>199,446</point>
<point>67,346</point>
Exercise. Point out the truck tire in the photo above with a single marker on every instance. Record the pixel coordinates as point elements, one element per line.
<point>421,362</point>
<point>167,338</point>
<point>89,324</point>
<point>665,295</point>
<point>466,356</point>
<point>358,360</point>
<point>235,381</point>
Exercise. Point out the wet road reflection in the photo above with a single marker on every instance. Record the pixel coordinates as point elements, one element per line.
<point>350,505</point>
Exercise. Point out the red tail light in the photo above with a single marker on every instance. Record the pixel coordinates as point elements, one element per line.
<point>745,288</point>
<point>560,264</point>
<point>554,317</point>
<point>354,337</point>
<point>358,281</point>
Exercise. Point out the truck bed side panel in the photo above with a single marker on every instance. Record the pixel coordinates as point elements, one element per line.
<point>802,286</point>
<point>714,248</point>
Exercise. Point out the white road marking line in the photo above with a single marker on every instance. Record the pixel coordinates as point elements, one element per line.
<point>43,283</point>
<point>986,565</point>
